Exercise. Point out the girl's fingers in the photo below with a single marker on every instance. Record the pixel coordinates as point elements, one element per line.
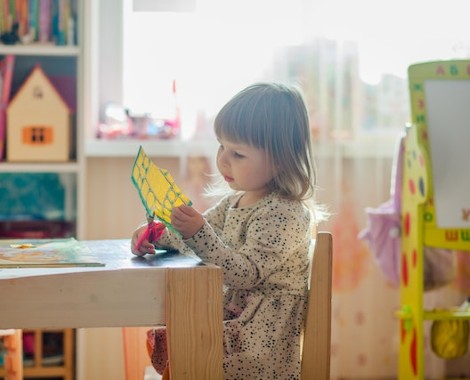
<point>186,210</point>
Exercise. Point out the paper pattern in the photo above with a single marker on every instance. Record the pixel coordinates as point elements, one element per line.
<point>157,190</point>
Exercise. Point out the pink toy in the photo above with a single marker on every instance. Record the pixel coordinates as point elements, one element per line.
<point>383,235</point>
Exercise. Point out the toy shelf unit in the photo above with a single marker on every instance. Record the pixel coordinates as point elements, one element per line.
<point>47,354</point>
<point>436,201</point>
<point>41,118</point>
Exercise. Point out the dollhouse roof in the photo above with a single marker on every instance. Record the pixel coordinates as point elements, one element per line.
<point>37,71</point>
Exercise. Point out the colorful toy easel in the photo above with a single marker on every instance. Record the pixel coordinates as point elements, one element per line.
<point>421,225</point>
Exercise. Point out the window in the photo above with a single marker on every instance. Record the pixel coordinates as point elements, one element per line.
<point>350,57</point>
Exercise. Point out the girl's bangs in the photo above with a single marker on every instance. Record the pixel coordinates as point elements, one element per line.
<point>236,124</point>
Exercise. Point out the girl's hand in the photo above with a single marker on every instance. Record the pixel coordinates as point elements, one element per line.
<point>186,220</point>
<point>146,246</point>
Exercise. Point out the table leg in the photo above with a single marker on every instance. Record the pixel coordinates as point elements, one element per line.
<point>194,314</point>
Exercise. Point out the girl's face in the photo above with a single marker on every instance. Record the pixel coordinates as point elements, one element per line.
<point>245,168</point>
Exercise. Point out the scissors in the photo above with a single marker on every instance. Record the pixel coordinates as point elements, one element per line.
<point>153,231</point>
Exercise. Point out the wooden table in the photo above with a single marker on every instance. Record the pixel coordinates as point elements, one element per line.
<point>166,288</point>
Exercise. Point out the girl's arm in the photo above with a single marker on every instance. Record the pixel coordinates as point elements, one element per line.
<point>272,240</point>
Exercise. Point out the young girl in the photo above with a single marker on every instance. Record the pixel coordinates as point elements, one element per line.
<point>259,234</point>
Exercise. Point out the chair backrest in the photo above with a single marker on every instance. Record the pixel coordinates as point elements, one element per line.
<point>317,329</point>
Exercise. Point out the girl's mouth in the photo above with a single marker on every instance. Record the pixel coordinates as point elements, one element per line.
<point>228,179</point>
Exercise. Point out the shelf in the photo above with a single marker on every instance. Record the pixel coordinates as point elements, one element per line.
<point>38,49</point>
<point>36,167</point>
<point>435,315</point>
<point>129,148</point>
<point>438,315</point>
<point>42,366</point>
<point>156,148</point>
<point>361,147</point>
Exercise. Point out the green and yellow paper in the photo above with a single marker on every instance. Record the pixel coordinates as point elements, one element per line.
<point>157,189</point>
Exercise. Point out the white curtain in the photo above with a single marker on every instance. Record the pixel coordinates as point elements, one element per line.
<point>350,58</point>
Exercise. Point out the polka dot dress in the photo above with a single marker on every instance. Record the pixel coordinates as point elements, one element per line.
<point>263,251</point>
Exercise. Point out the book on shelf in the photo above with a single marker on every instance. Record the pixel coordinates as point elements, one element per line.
<point>38,21</point>
<point>6,76</point>
<point>45,17</point>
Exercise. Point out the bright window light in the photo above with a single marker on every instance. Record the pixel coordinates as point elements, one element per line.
<point>227,44</point>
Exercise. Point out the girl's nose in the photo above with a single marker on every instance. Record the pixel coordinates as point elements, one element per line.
<point>222,158</point>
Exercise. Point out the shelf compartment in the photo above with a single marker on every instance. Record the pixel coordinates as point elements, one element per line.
<point>36,229</point>
<point>37,366</point>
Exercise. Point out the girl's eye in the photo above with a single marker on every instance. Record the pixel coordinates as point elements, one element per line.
<point>238,155</point>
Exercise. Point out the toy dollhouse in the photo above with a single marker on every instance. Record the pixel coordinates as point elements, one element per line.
<point>38,122</point>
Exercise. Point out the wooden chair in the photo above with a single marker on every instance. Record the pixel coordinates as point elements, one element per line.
<point>317,329</point>
<point>13,342</point>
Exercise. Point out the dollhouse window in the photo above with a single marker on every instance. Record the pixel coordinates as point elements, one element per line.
<point>37,135</point>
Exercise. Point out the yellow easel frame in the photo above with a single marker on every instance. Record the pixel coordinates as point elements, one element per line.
<point>419,226</point>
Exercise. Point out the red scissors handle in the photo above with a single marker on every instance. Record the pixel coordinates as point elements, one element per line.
<point>152,233</point>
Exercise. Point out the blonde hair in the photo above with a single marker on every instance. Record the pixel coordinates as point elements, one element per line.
<point>273,117</point>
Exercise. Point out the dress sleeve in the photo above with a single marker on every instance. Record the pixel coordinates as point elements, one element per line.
<point>274,236</point>
<point>171,240</point>
<point>215,216</point>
